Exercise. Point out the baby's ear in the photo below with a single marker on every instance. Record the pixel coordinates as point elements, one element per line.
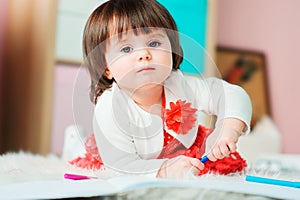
<point>108,74</point>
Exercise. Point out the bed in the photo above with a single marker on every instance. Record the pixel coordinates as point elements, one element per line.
<point>24,175</point>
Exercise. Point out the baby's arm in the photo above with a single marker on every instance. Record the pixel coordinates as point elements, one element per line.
<point>179,167</point>
<point>118,153</point>
<point>229,133</point>
<point>232,106</point>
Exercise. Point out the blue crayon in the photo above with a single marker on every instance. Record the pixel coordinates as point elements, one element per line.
<point>257,179</point>
<point>204,159</point>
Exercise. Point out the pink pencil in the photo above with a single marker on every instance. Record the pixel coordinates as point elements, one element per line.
<point>77,177</point>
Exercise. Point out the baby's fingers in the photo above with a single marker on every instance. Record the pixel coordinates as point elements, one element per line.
<point>232,147</point>
<point>211,157</point>
<point>225,149</point>
<point>197,164</point>
<point>215,154</point>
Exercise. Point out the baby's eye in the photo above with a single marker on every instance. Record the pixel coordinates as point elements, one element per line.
<point>126,49</point>
<point>154,44</point>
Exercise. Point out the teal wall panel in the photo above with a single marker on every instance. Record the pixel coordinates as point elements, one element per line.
<point>191,19</point>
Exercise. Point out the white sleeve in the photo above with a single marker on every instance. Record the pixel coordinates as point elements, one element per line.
<point>220,98</point>
<point>117,150</point>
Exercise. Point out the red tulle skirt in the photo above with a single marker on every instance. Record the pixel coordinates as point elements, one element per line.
<point>172,148</point>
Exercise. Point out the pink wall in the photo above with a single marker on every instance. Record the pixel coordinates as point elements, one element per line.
<point>62,104</point>
<point>272,27</point>
<point>71,104</point>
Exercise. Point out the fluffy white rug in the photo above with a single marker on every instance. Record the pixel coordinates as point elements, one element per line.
<point>23,166</point>
<point>18,167</point>
<point>26,167</point>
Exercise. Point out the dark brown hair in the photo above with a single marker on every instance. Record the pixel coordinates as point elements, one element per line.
<point>117,16</point>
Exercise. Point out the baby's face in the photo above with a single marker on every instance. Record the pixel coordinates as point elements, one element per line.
<point>137,61</point>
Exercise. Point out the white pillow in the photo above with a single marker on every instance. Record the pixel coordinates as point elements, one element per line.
<point>264,138</point>
<point>73,143</point>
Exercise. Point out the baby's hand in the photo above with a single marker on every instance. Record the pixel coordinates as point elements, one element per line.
<point>223,140</point>
<point>179,167</point>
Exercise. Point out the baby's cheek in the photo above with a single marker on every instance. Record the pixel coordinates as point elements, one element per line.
<point>168,60</point>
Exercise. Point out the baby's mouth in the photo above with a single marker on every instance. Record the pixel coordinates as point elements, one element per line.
<point>146,69</point>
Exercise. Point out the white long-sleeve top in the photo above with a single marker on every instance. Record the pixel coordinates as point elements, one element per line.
<point>130,139</point>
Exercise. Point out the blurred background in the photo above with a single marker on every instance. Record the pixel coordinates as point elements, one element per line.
<point>253,42</point>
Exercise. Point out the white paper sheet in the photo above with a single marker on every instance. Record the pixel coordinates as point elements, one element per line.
<point>98,187</point>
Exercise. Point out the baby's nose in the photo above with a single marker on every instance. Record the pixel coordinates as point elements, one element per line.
<point>143,55</point>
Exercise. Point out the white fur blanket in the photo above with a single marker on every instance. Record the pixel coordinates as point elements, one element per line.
<point>33,169</point>
<point>22,166</point>
<point>18,167</point>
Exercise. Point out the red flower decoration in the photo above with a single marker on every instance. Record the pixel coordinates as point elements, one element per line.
<point>181,117</point>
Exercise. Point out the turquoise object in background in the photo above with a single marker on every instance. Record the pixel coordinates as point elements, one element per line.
<point>191,19</point>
